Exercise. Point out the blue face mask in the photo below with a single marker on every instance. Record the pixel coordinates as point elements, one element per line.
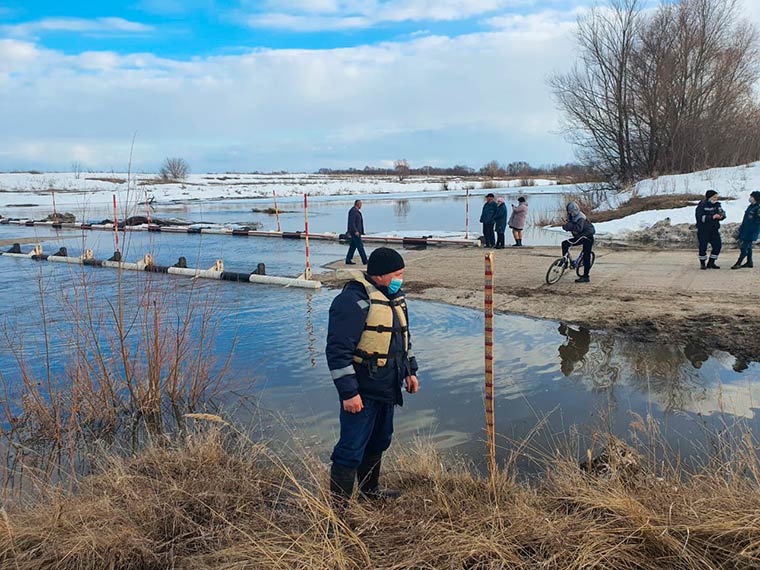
<point>395,286</point>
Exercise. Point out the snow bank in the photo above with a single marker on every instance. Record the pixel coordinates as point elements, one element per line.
<point>735,182</point>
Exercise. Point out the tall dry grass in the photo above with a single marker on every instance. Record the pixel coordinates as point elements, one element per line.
<point>218,500</point>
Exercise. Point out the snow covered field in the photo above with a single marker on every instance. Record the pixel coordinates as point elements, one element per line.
<point>734,182</point>
<point>90,194</point>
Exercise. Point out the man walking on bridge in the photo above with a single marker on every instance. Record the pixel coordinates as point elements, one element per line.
<point>355,232</point>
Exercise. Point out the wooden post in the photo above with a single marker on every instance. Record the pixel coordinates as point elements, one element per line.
<point>307,272</point>
<point>55,212</point>
<point>115,223</point>
<point>276,210</point>
<point>467,214</point>
<point>489,396</point>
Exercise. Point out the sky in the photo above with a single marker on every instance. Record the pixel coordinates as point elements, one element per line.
<point>244,85</point>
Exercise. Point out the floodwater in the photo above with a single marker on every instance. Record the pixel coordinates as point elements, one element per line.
<point>545,372</point>
<point>382,213</point>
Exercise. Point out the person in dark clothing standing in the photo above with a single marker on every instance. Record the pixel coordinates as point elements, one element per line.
<point>369,353</point>
<point>355,232</point>
<point>749,230</point>
<point>500,222</point>
<point>709,214</point>
<point>487,218</point>
<point>583,234</point>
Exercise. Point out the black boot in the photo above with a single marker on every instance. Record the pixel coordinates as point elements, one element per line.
<point>711,264</point>
<point>341,486</point>
<point>702,264</point>
<point>369,479</point>
<point>748,264</point>
<point>738,263</point>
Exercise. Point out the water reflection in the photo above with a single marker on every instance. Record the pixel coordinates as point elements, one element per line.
<point>402,208</point>
<point>572,352</point>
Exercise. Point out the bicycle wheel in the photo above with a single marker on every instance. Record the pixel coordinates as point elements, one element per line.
<point>556,269</point>
<point>579,266</point>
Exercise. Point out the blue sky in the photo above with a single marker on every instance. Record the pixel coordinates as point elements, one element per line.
<point>291,84</point>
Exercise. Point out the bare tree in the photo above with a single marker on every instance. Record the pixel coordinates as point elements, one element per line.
<point>76,168</point>
<point>671,90</point>
<point>492,169</point>
<point>401,166</point>
<point>174,169</point>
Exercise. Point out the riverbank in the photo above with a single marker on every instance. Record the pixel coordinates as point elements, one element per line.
<point>217,502</point>
<point>650,295</point>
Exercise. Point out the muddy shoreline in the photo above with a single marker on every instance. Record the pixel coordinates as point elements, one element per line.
<point>650,295</point>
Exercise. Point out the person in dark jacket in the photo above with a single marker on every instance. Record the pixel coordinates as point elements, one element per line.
<point>487,218</point>
<point>583,235</point>
<point>709,214</point>
<point>356,231</point>
<point>369,353</point>
<point>500,222</point>
<point>749,230</point>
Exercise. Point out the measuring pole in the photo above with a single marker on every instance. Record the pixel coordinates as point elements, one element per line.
<point>115,223</point>
<point>307,273</point>
<point>55,212</point>
<point>276,210</point>
<point>467,214</point>
<point>489,396</point>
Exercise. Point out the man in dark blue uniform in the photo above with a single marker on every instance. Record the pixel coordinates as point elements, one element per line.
<point>369,353</point>
<point>709,214</point>
<point>488,219</point>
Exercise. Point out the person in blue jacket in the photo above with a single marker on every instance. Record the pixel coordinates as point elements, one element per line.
<point>487,218</point>
<point>709,214</point>
<point>500,222</point>
<point>749,230</point>
<point>355,232</point>
<point>369,354</point>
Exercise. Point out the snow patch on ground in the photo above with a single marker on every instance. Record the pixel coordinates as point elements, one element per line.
<point>734,182</point>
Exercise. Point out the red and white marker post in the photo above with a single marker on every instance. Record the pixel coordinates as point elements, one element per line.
<point>489,392</point>
<point>307,273</point>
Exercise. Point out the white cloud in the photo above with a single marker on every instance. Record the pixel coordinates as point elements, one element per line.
<point>328,15</point>
<point>76,25</point>
<point>436,99</point>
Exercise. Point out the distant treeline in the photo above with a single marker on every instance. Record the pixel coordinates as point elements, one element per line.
<point>493,169</point>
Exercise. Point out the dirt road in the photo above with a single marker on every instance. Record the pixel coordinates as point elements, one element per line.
<point>656,296</point>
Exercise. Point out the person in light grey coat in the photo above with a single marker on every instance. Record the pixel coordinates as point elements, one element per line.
<point>517,220</point>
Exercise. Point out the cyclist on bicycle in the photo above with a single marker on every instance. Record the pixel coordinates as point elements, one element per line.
<point>583,235</point>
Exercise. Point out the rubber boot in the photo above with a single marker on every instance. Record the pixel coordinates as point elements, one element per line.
<point>341,488</point>
<point>369,479</point>
<point>711,264</point>
<point>702,264</point>
<point>738,263</point>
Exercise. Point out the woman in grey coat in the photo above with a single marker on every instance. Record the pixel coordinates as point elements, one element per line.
<point>517,220</point>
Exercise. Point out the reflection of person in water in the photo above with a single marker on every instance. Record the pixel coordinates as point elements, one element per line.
<point>576,348</point>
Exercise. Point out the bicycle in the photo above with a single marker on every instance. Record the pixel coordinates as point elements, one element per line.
<point>560,265</point>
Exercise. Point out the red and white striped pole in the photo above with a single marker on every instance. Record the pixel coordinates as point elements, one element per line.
<point>307,273</point>
<point>55,212</point>
<point>115,223</point>
<point>489,393</point>
<point>276,210</point>
<point>467,213</point>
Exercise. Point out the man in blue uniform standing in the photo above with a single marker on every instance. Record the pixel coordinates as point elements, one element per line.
<point>488,219</point>
<point>369,353</point>
<point>709,214</point>
<point>355,232</point>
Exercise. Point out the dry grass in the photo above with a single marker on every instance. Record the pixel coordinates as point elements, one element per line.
<point>646,203</point>
<point>221,501</point>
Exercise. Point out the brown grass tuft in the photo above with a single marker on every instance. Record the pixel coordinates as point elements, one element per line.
<point>217,502</point>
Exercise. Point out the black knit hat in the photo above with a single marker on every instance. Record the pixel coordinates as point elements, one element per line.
<point>710,193</point>
<point>384,260</point>
<point>755,195</point>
